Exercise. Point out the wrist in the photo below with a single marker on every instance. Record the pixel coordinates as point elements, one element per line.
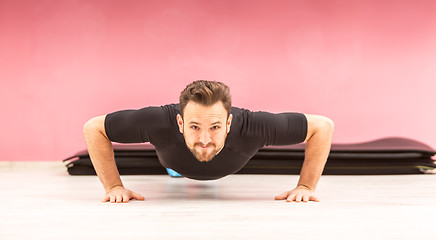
<point>303,186</point>
<point>114,187</point>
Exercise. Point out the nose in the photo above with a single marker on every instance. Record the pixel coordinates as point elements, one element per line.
<point>205,137</point>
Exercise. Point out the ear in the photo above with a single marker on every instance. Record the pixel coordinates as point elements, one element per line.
<point>229,123</point>
<point>180,123</point>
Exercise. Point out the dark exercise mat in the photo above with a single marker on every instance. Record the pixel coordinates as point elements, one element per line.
<point>383,156</point>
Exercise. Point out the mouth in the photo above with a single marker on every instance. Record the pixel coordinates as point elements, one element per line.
<point>205,146</point>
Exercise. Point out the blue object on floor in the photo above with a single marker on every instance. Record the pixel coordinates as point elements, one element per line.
<point>173,173</point>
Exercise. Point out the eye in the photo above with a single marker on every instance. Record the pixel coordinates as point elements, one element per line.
<point>195,127</point>
<point>215,127</point>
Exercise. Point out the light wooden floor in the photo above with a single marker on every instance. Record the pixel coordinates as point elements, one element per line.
<point>44,202</point>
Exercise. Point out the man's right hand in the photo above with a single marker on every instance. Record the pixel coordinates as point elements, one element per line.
<point>120,194</point>
<point>102,156</point>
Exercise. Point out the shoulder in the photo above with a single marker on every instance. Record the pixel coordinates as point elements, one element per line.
<point>152,115</point>
<point>159,112</point>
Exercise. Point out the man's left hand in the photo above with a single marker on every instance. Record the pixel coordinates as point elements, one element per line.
<point>299,194</point>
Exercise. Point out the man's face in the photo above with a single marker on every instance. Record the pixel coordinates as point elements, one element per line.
<point>205,129</point>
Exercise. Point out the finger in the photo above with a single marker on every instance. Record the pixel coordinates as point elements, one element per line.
<point>112,199</point>
<point>106,198</point>
<point>282,196</point>
<point>306,198</point>
<point>126,198</point>
<point>137,196</point>
<point>313,198</point>
<point>298,198</point>
<point>119,198</point>
<point>291,197</point>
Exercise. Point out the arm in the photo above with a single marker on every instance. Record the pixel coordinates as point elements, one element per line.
<point>102,156</point>
<point>319,136</point>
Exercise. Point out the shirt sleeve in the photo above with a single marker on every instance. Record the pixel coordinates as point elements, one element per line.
<point>133,126</point>
<point>280,129</point>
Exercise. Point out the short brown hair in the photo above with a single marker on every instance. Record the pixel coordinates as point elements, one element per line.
<point>206,93</point>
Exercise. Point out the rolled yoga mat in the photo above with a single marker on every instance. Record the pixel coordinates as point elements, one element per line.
<point>393,155</point>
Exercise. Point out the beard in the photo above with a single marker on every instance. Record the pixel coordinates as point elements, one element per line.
<point>204,156</point>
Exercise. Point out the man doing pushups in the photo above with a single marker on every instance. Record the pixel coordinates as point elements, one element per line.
<point>204,138</point>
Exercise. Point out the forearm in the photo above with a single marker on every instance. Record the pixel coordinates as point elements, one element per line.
<point>101,153</point>
<point>316,154</point>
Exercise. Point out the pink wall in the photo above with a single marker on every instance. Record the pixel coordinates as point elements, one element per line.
<point>370,65</point>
